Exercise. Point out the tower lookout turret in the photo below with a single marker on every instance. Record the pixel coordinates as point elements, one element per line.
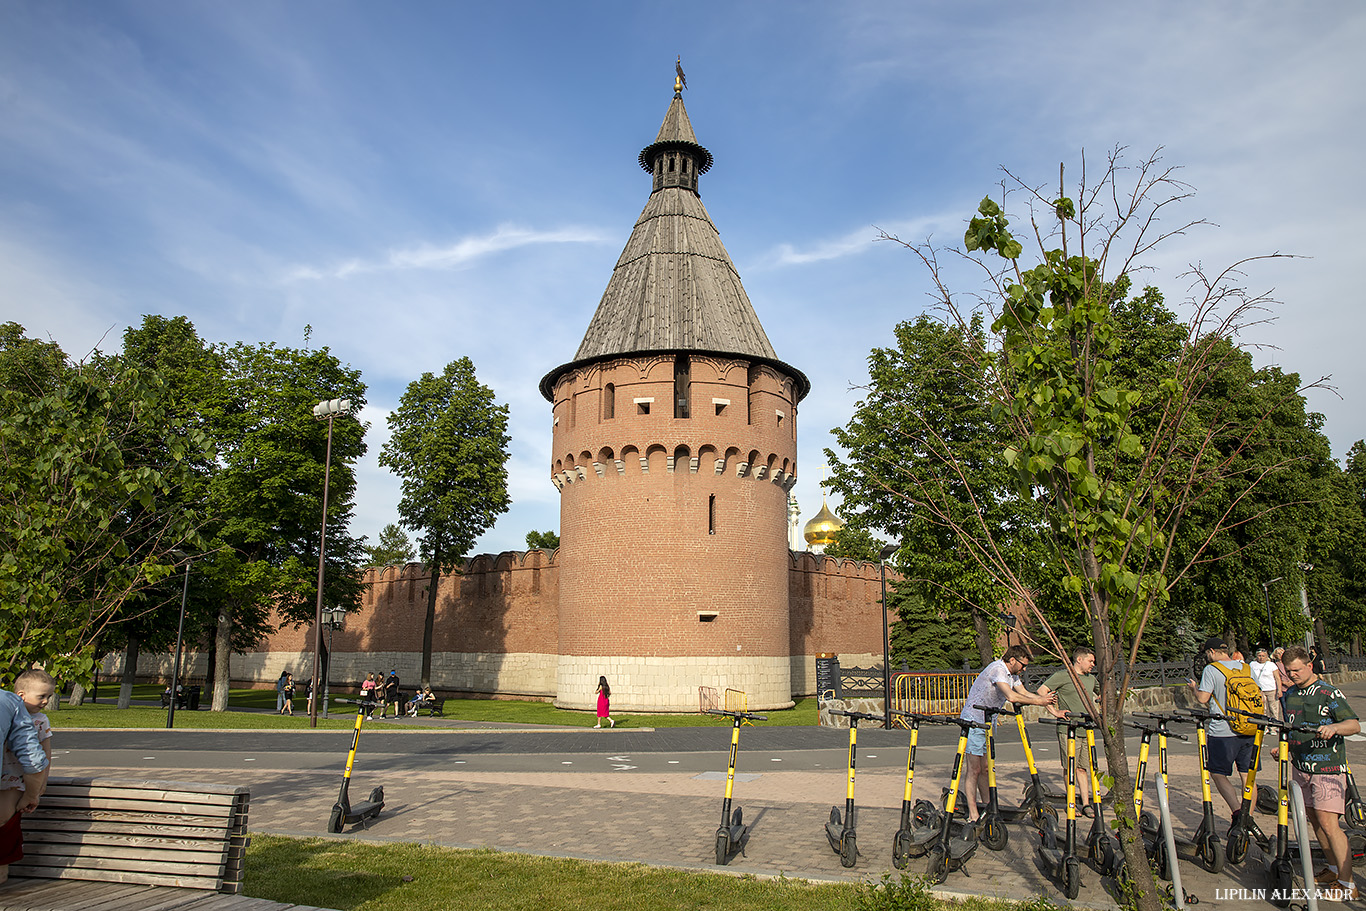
<point>674,447</point>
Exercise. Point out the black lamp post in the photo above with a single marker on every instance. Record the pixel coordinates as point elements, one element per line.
<point>327,411</point>
<point>886,641</point>
<point>179,634</point>
<point>334,619</point>
<point>1270,629</point>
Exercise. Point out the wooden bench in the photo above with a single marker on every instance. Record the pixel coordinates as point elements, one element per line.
<point>159,833</point>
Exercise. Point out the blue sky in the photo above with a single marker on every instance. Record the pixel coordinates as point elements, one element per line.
<point>421,181</point>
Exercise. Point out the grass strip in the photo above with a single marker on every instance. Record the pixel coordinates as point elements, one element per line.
<point>361,876</point>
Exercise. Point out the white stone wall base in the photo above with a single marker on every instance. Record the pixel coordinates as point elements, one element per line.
<point>657,684</point>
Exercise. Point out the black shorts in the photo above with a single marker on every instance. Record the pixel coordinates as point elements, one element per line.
<point>1223,752</point>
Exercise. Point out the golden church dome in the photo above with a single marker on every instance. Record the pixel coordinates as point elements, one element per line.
<point>820,531</point>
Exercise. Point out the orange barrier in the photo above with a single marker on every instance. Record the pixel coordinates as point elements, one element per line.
<point>737,701</point>
<point>931,694</point>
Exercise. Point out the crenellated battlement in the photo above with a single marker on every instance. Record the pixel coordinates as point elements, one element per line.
<point>631,459</point>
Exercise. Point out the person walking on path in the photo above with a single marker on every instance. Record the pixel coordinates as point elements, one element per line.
<point>1070,702</point>
<point>280,693</point>
<point>289,693</point>
<point>1226,748</point>
<point>1319,760</point>
<point>998,684</point>
<point>604,703</point>
<point>391,693</point>
<point>1264,675</point>
<point>367,696</point>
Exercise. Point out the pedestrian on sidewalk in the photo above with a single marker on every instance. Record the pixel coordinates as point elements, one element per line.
<point>289,694</point>
<point>1318,762</point>
<point>604,703</point>
<point>1264,675</point>
<point>1227,748</point>
<point>998,684</point>
<point>1070,702</point>
<point>280,693</point>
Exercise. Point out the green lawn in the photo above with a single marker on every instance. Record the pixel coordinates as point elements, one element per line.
<point>255,708</point>
<point>358,876</point>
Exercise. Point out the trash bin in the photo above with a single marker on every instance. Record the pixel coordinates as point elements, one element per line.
<point>194,698</point>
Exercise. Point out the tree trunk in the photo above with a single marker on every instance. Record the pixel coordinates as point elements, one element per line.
<point>223,648</point>
<point>77,695</point>
<point>212,670</point>
<point>982,631</point>
<point>429,624</point>
<point>130,673</point>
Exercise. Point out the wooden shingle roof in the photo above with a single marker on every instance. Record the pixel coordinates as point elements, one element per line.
<point>674,288</point>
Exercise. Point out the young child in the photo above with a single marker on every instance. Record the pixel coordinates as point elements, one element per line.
<point>35,688</point>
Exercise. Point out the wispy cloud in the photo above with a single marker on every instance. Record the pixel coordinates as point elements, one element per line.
<point>462,252</point>
<point>854,243</point>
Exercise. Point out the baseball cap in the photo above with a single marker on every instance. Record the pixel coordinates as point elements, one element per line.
<point>1214,642</point>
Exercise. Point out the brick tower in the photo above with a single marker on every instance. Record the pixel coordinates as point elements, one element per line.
<point>674,447</point>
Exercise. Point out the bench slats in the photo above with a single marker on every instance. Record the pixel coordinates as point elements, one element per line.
<point>153,833</point>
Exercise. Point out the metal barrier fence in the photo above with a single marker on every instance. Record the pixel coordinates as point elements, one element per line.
<point>707,699</point>
<point>931,694</point>
<point>737,701</point>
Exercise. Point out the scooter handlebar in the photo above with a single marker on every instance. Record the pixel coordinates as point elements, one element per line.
<point>862,716</point>
<point>746,716</point>
<point>989,711</point>
<point>1071,721</point>
<point>923,718</point>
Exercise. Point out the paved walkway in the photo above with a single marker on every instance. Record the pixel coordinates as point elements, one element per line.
<point>668,818</point>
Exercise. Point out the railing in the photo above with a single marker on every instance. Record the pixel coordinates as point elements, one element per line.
<point>707,699</point>
<point>945,691</point>
<point>737,701</point>
<point>1353,664</point>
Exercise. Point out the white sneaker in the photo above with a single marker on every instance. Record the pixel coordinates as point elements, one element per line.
<point>598,725</point>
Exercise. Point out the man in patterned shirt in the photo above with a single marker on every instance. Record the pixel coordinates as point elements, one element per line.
<point>1318,764</point>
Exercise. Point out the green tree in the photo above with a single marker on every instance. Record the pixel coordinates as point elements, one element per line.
<point>855,544</point>
<point>94,469</point>
<point>1115,469</point>
<point>448,445</point>
<point>265,498</point>
<point>922,455</point>
<point>391,547</point>
<point>1337,577</point>
<point>543,540</point>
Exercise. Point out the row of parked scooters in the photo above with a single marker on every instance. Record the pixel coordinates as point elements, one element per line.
<point>941,834</point>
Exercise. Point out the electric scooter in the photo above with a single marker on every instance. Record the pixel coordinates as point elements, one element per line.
<point>1063,864</point>
<point>840,832</point>
<point>1149,828</point>
<point>731,833</point>
<point>1245,830</point>
<point>1162,860</point>
<point>1102,846</point>
<point>1036,802</point>
<point>1280,869</point>
<point>919,821</point>
<point>345,813</point>
<point>949,852</point>
<point>1204,846</point>
<point>1353,813</point>
<point>993,819</point>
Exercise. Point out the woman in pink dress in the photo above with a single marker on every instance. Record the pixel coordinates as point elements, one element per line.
<point>604,698</point>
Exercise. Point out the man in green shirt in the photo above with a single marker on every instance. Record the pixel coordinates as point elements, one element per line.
<point>1071,702</point>
<point>1318,760</point>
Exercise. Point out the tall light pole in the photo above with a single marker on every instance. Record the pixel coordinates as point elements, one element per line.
<point>179,633</point>
<point>1270,629</point>
<point>323,411</point>
<point>886,642</point>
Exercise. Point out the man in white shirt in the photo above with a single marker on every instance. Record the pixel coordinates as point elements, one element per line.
<point>1264,675</point>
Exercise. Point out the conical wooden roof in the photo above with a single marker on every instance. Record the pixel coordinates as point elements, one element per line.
<point>674,288</point>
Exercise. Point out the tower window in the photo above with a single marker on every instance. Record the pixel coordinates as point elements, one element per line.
<point>711,514</point>
<point>682,386</point>
<point>609,402</point>
<point>643,405</point>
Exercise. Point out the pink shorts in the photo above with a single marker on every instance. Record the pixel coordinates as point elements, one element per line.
<point>1323,792</point>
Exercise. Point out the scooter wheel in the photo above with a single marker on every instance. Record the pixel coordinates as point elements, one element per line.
<point>1161,862</point>
<point>736,817</point>
<point>848,851</point>
<point>1282,883</point>
<point>937,869</point>
<point>1046,811</point>
<point>1071,878</point>
<point>334,822</point>
<point>1355,815</point>
<point>995,835</point>
<point>1236,849</point>
<point>1268,799</point>
<point>834,816</point>
<point>1110,860</point>
<point>901,849</point>
<point>1213,856</point>
<point>377,796</point>
<point>722,848</point>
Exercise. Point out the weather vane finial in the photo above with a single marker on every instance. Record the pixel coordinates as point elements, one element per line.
<point>680,81</point>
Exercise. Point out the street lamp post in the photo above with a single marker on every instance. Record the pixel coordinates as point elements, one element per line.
<point>179,634</point>
<point>1270,629</point>
<point>886,642</point>
<point>327,410</point>
<point>334,619</point>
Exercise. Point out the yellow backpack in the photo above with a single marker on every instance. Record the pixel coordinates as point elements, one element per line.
<point>1242,694</point>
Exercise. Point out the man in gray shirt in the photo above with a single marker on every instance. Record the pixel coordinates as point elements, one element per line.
<point>1225,747</point>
